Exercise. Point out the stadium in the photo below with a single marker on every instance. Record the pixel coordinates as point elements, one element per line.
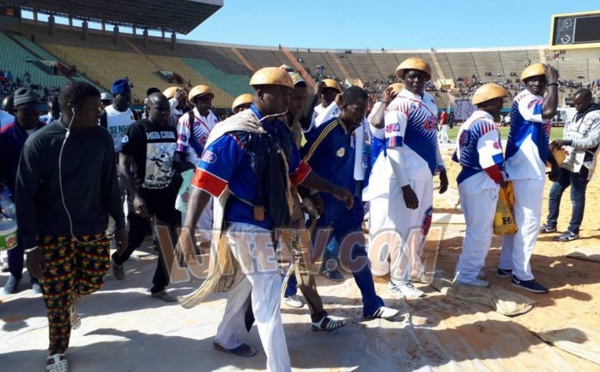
<point>446,331</point>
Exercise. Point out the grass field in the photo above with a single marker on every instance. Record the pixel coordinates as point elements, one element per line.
<point>554,134</point>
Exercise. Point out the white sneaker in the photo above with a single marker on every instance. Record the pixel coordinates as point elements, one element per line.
<point>384,312</point>
<point>409,290</point>
<point>293,301</point>
<point>57,363</point>
<point>475,283</point>
<point>395,291</point>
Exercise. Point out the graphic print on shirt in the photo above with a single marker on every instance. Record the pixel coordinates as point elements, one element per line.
<point>192,138</point>
<point>479,146</point>
<point>415,127</point>
<point>159,165</point>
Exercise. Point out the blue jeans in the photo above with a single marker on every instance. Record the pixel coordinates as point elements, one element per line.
<point>578,183</point>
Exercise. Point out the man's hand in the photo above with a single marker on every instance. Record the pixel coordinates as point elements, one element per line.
<point>181,94</point>
<point>316,202</point>
<point>184,250</point>
<point>35,263</point>
<point>388,95</point>
<point>345,195</point>
<point>557,144</point>
<point>410,198</point>
<point>139,207</point>
<point>551,74</point>
<point>338,99</point>
<point>443,181</point>
<point>122,240</point>
<point>319,88</point>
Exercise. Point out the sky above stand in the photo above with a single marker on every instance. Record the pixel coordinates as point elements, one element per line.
<point>390,24</point>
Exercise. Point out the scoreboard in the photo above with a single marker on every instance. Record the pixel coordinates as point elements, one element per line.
<point>575,30</point>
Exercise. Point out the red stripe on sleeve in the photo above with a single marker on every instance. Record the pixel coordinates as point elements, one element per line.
<point>208,182</point>
<point>301,173</point>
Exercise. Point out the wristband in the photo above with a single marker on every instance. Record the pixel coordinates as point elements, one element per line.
<point>29,250</point>
<point>313,192</point>
<point>556,84</point>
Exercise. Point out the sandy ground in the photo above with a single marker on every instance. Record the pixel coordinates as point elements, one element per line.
<point>124,329</point>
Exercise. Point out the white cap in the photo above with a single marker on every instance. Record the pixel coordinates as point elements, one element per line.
<point>106,97</point>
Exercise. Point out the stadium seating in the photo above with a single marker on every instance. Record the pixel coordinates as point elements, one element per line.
<point>15,59</point>
<point>227,68</point>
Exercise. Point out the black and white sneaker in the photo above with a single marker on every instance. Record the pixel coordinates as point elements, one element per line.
<point>528,285</point>
<point>567,236</point>
<point>547,229</point>
<point>503,273</point>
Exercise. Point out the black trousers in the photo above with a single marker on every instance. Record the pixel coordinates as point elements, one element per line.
<point>161,204</point>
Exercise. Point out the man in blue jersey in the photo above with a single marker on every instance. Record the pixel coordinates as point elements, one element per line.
<point>248,165</point>
<point>402,202</point>
<point>479,152</point>
<point>330,151</point>
<point>526,156</point>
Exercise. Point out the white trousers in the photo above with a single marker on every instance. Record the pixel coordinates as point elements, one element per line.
<point>479,210</point>
<point>397,232</point>
<point>517,249</point>
<point>252,247</point>
<point>205,223</point>
<point>444,134</point>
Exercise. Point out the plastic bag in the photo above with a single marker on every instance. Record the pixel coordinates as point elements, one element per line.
<point>504,221</point>
<point>184,191</point>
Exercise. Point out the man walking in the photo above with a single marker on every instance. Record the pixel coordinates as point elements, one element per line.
<point>12,140</point>
<point>249,163</point>
<point>63,205</point>
<point>580,141</point>
<point>147,171</point>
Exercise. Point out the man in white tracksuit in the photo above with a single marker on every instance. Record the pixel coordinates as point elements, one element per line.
<point>526,156</point>
<point>193,129</point>
<point>412,159</point>
<point>479,152</point>
<point>378,206</point>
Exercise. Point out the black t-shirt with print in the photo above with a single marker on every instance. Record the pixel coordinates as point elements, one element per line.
<point>152,147</point>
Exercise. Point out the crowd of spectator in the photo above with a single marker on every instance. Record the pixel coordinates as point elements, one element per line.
<point>9,84</point>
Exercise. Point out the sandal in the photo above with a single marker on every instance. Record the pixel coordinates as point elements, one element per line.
<point>244,350</point>
<point>327,324</point>
<point>57,363</point>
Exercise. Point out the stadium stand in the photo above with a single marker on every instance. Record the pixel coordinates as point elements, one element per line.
<point>227,67</point>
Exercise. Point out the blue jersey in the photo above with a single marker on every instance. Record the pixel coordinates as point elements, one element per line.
<point>225,163</point>
<point>411,124</point>
<point>330,152</point>
<point>479,147</point>
<point>528,138</point>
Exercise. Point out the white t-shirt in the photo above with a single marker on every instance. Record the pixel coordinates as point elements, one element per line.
<point>116,124</point>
